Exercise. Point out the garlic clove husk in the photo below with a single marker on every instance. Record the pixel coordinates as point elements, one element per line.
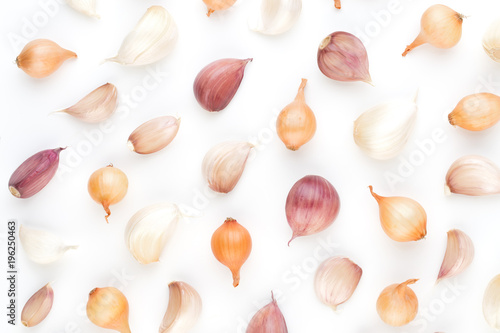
<point>476,112</point>
<point>440,26</point>
<point>152,39</point>
<point>216,84</point>
<point>42,57</point>
<point>34,173</point>
<point>491,303</point>
<point>149,230</point>
<point>336,280</point>
<point>275,16</point>
<point>153,135</point>
<point>214,5</point>
<point>473,175</point>
<point>296,123</point>
<point>268,319</point>
<point>397,304</point>
<point>108,308</point>
<point>38,306</point>
<point>223,165</point>
<point>402,219</point>
<point>184,308</point>
<point>97,106</point>
<point>87,7</point>
<point>383,131</point>
<point>42,247</point>
<point>342,57</point>
<point>458,256</point>
<point>491,41</point>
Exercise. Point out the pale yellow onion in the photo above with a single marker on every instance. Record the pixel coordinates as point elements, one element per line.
<point>214,5</point>
<point>108,186</point>
<point>458,256</point>
<point>397,304</point>
<point>296,123</point>
<point>440,26</point>
<point>476,112</point>
<point>403,219</point>
<point>108,308</point>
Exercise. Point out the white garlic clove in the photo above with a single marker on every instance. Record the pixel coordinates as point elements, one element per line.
<point>491,41</point>
<point>491,303</point>
<point>149,230</point>
<point>458,256</point>
<point>97,106</point>
<point>223,165</point>
<point>42,247</point>
<point>152,39</point>
<point>87,7</point>
<point>275,16</point>
<point>383,131</point>
<point>336,280</point>
<point>184,308</point>
<point>473,175</point>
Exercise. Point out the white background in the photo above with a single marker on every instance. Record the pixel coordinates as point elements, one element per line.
<point>173,174</point>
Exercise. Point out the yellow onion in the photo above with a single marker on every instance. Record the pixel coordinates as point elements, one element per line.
<point>42,57</point>
<point>214,5</point>
<point>476,112</point>
<point>108,308</point>
<point>108,186</point>
<point>403,219</point>
<point>440,26</point>
<point>296,123</point>
<point>397,304</point>
<point>231,246</point>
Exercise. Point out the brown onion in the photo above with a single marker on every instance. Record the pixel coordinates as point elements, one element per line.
<point>312,206</point>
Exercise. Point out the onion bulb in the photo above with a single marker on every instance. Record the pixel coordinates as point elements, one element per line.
<point>108,308</point>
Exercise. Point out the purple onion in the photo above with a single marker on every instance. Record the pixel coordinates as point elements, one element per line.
<point>311,206</point>
<point>34,173</point>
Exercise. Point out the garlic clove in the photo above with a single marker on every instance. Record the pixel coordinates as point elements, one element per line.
<point>269,319</point>
<point>153,135</point>
<point>476,112</point>
<point>440,26</point>
<point>342,57</point>
<point>491,303</point>
<point>108,308</point>
<point>223,165</point>
<point>458,256</point>
<point>149,230</point>
<point>397,304</point>
<point>275,16</point>
<point>383,131</point>
<point>402,219</point>
<point>473,175</point>
<point>296,123</point>
<point>312,205</point>
<point>42,57</point>
<point>87,7</point>
<point>152,39</point>
<point>34,173</point>
<point>108,186</point>
<point>42,247</point>
<point>216,84</point>
<point>336,280</point>
<point>38,306</point>
<point>491,41</point>
<point>231,246</point>
<point>97,106</point>
<point>214,5</point>
<point>184,308</point>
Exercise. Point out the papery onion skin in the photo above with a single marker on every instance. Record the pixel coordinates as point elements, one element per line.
<point>312,205</point>
<point>214,5</point>
<point>231,246</point>
<point>42,57</point>
<point>268,319</point>
<point>34,173</point>
<point>342,57</point>
<point>108,308</point>
<point>216,84</point>
<point>476,112</point>
<point>397,304</point>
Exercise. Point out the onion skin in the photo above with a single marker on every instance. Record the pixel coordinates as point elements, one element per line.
<point>397,304</point>
<point>108,308</point>
<point>34,173</point>
<point>216,84</point>
<point>476,112</point>
<point>312,206</point>
<point>342,57</point>
<point>214,5</point>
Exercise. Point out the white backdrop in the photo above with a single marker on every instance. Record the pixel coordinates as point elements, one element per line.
<point>271,81</point>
